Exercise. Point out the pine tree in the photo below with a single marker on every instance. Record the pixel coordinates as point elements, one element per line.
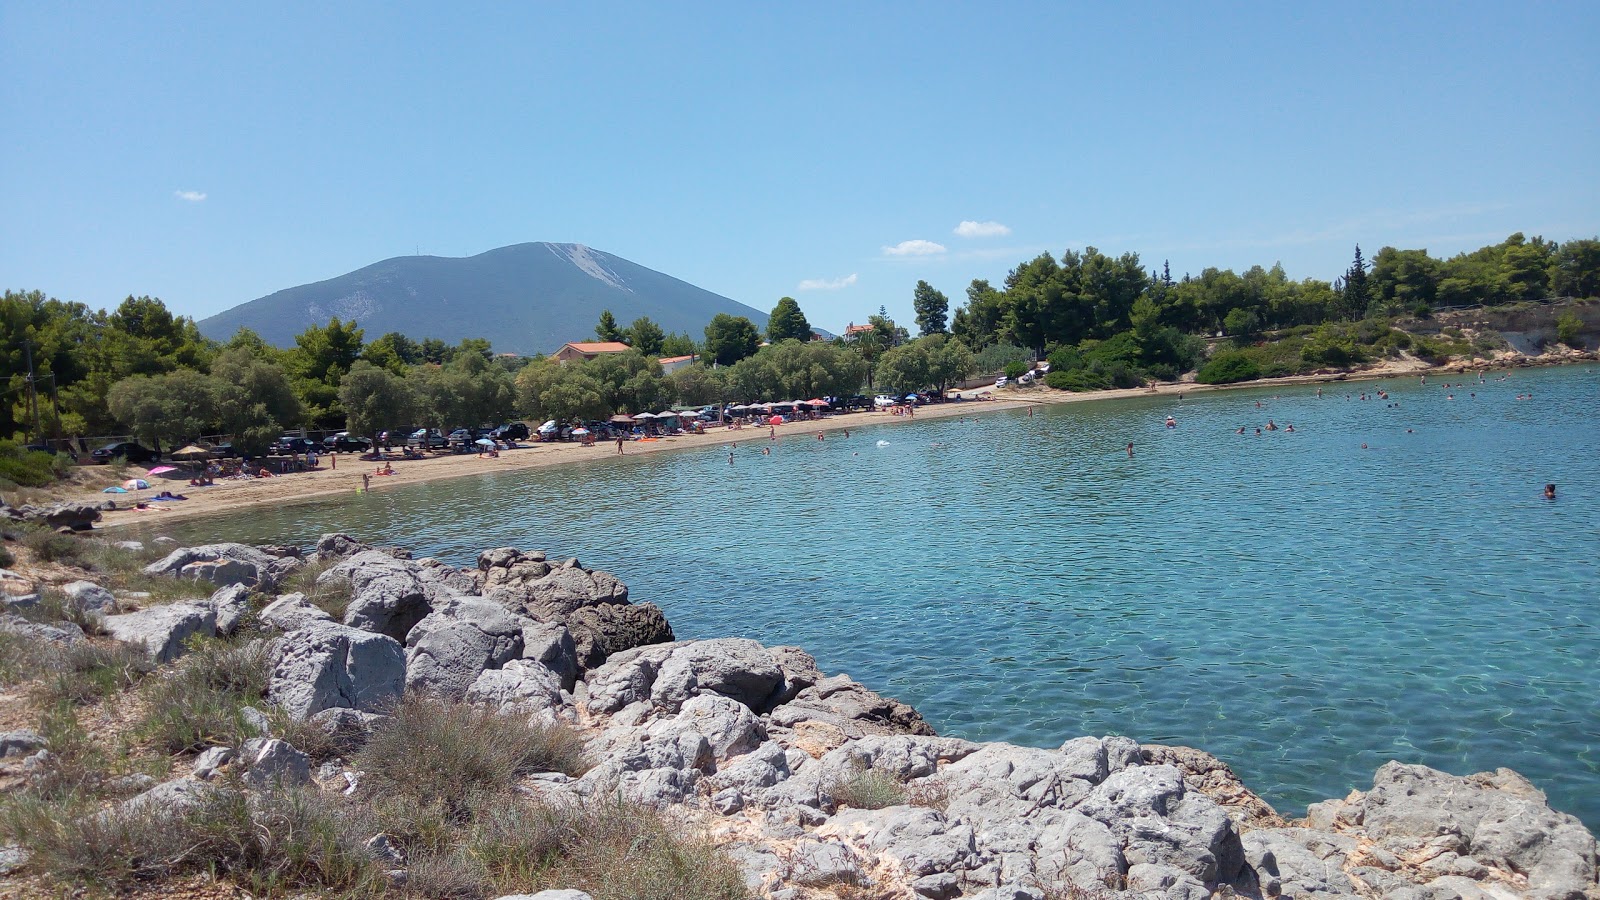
<point>933,308</point>
<point>1357,292</point>
<point>607,330</point>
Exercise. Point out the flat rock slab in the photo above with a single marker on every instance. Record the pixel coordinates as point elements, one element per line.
<point>162,630</point>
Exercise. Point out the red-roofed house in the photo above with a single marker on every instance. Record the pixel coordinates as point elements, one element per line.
<point>589,349</point>
<point>853,331</point>
<point>670,364</point>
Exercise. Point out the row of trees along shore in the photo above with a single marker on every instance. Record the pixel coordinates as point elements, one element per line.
<point>1102,321</point>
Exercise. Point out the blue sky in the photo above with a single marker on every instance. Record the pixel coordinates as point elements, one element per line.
<point>209,154</point>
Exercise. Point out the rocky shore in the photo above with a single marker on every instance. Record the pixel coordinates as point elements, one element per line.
<point>813,785</point>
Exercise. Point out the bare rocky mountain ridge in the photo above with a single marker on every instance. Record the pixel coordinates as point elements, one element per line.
<point>525,298</point>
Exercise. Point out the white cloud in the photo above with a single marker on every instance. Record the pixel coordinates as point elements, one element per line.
<point>191,196</point>
<point>969,229</point>
<point>827,284</point>
<point>914,248</point>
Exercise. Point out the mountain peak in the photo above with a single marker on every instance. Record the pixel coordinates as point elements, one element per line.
<point>525,298</point>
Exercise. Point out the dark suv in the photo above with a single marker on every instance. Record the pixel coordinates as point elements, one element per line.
<point>344,443</point>
<point>513,431</point>
<point>128,450</point>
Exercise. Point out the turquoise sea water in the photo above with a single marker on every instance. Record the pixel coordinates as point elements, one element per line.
<point>1300,607</point>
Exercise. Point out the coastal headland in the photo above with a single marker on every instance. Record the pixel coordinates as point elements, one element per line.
<point>355,675</point>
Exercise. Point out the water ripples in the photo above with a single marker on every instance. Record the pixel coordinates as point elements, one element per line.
<point>1302,608</point>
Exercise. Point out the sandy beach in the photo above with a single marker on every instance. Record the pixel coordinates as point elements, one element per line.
<point>342,474</point>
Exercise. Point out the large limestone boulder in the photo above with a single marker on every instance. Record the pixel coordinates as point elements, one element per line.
<point>90,598</point>
<point>225,564</point>
<point>607,628</point>
<point>326,665</point>
<point>292,612</point>
<point>387,594</point>
<point>665,675</point>
<point>162,630</point>
<point>454,644</point>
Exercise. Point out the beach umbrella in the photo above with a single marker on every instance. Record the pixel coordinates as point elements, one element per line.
<point>162,470</point>
<point>621,420</point>
<point>136,484</point>
<point>911,396</point>
<point>666,414</point>
<point>644,415</point>
<point>579,432</point>
<point>484,442</point>
<point>818,402</point>
<point>775,420</point>
<point>193,451</point>
<point>114,489</point>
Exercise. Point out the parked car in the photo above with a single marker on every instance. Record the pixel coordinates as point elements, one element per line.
<point>1002,381</point>
<point>427,437</point>
<point>884,401</point>
<point>127,450</point>
<point>344,443</point>
<point>511,431</point>
<point>292,445</point>
<point>463,436</point>
<point>40,448</point>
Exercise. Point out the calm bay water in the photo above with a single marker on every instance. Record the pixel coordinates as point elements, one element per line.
<point>1302,608</point>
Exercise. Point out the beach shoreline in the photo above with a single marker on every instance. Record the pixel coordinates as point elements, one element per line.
<point>341,474</point>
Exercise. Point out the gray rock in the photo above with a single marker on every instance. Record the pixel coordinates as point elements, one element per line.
<point>552,646</point>
<point>72,516</point>
<point>920,839</point>
<point>12,859</point>
<point>210,760</point>
<point>1162,823</point>
<point>338,546</point>
<point>88,597</point>
<point>727,801</point>
<point>824,862</point>
<point>938,886</point>
<point>521,685</point>
<point>231,604</point>
<point>224,564</point>
<point>454,644</point>
<point>256,720</point>
<point>1502,819</point>
<point>387,596</point>
<point>272,763</point>
<point>608,628</point>
<point>327,665</point>
<point>561,589</point>
<point>384,850</point>
<point>1299,861</point>
<point>761,768</point>
<point>162,630</point>
<point>167,799</point>
<point>349,727</point>
<point>730,728</point>
<point>21,742</point>
<point>55,633</point>
<point>292,612</point>
<point>849,709</point>
<point>130,546</point>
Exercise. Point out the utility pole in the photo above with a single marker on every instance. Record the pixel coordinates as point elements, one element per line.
<point>33,395</point>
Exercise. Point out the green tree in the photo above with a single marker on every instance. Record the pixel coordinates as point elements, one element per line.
<point>1576,269</point>
<point>932,308</point>
<point>731,338</point>
<point>393,351</point>
<point>1241,323</point>
<point>787,322</point>
<point>1357,291</point>
<point>547,389</point>
<point>166,410</point>
<point>375,400</point>
<point>698,385</point>
<point>607,329</point>
<point>321,356</point>
<point>645,336</point>
<point>255,400</point>
<point>949,361</point>
<point>676,344</point>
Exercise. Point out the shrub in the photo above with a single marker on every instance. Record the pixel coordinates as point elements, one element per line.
<point>200,701</point>
<point>1016,369</point>
<point>332,597</point>
<point>1162,372</point>
<point>1076,380</point>
<point>994,357</point>
<point>433,750</point>
<point>30,467</point>
<point>47,546</point>
<point>1568,327</point>
<point>1227,367</point>
<point>617,850</point>
<point>868,789</point>
<point>86,671</point>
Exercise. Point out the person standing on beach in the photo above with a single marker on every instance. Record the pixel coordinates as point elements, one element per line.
<point>619,445</point>
<point>366,482</point>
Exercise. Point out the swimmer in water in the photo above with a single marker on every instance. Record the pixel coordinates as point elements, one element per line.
<point>1289,427</point>
<point>1171,422</point>
<point>1549,492</point>
<point>1240,431</point>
